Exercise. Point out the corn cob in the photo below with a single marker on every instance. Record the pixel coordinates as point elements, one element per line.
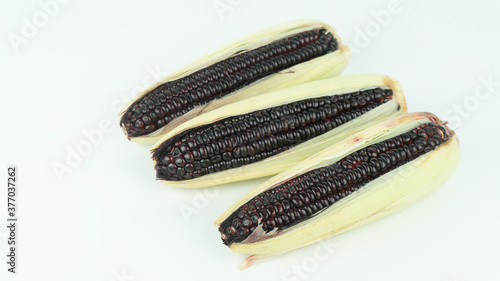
<point>274,58</point>
<point>367,176</point>
<point>265,135</point>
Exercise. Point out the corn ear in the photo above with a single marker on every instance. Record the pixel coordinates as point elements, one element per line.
<point>332,87</point>
<point>381,196</point>
<point>324,66</point>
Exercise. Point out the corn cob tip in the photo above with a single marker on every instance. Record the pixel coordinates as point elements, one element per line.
<point>394,84</point>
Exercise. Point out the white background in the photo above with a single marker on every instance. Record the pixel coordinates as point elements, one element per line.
<point>108,219</point>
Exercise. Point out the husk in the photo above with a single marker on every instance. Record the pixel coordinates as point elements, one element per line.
<point>282,161</point>
<point>326,66</point>
<point>383,196</point>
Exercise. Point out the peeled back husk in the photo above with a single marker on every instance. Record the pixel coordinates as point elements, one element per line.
<point>324,66</point>
<point>333,87</point>
<point>386,194</point>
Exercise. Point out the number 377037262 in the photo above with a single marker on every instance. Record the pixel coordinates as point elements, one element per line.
<point>11,191</point>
